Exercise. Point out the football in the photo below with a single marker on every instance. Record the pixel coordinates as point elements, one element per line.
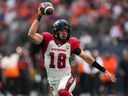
<point>47,8</point>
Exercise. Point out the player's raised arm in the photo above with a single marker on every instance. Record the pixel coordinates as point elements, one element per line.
<point>36,37</point>
<point>45,8</point>
<point>90,60</point>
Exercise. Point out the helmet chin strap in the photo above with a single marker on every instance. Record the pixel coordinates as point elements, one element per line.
<point>62,40</point>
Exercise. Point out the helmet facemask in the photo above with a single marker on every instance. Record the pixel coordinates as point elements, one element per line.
<point>59,25</point>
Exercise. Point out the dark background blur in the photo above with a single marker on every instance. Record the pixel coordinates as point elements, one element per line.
<point>100,25</point>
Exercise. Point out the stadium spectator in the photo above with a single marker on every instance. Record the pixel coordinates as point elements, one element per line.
<point>2,85</point>
<point>11,73</point>
<point>110,63</point>
<point>123,66</point>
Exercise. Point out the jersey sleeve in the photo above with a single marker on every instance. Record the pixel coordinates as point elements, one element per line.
<point>74,44</point>
<point>46,37</point>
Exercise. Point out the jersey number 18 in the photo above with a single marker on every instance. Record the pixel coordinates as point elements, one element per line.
<point>61,62</point>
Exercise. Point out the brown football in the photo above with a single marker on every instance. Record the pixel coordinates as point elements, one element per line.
<point>47,8</point>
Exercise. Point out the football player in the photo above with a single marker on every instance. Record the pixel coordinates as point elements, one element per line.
<point>56,50</point>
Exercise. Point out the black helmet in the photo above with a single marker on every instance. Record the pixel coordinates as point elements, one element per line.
<point>59,24</point>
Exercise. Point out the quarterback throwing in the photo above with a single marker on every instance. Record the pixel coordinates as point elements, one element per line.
<point>56,50</point>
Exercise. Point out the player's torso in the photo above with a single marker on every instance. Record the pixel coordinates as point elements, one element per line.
<point>57,59</point>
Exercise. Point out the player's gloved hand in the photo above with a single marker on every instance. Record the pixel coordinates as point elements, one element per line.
<point>40,8</point>
<point>39,11</point>
<point>111,76</point>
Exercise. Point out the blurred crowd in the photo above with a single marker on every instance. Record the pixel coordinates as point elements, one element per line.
<point>100,25</point>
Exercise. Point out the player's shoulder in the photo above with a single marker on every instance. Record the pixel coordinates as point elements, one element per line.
<point>73,40</point>
<point>46,34</point>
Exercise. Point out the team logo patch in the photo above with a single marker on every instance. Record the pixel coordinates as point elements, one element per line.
<point>67,46</point>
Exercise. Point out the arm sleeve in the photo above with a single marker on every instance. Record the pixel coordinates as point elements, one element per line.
<point>77,51</point>
<point>75,46</point>
<point>98,66</point>
<point>46,37</point>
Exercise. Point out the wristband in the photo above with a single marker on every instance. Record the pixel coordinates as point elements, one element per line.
<point>39,17</point>
<point>98,66</point>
